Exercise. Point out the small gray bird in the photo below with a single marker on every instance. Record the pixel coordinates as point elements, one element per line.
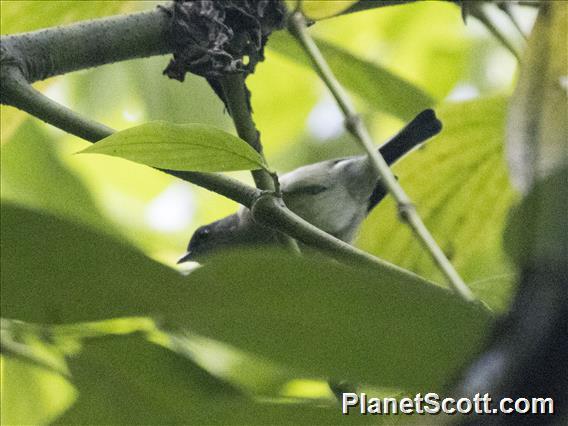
<point>334,195</point>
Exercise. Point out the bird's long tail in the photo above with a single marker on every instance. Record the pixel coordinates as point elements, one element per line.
<point>421,128</point>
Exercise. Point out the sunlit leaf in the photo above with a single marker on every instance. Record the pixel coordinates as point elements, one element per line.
<point>18,16</point>
<point>379,87</point>
<point>423,42</point>
<point>32,394</point>
<point>189,147</point>
<point>459,183</point>
<point>316,9</point>
<point>268,303</point>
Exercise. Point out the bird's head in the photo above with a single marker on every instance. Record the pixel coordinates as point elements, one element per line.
<point>207,239</point>
<point>233,231</point>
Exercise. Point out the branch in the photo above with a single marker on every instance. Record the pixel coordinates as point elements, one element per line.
<point>38,55</point>
<point>17,92</point>
<point>269,210</point>
<point>354,124</point>
<point>54,51</point>
<point>235,93</point>
<point>236,97</point>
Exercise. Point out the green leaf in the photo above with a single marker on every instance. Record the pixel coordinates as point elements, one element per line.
<point>325,9</point>
<point>536,232</point>
<point>380,88</point>
<point>32,394</point>
<point>186,147</point>
<point>336,321</point>
<point>127,380</point>
<point>18,16</point>
<point>318,317</point>
<point>460,185</point>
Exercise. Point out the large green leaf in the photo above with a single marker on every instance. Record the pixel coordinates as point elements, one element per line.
<point>380,88</point>
<point>460,185</point>
<point>187,147</point>
<point>127,380</point>
<point>321,318</point>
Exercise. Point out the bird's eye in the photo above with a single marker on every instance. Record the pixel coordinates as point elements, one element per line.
<point>203,233</point>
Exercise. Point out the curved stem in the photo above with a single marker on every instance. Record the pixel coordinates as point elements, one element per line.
<point>355,125</point>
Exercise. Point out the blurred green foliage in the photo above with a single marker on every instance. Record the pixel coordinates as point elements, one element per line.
<point>58,267</point>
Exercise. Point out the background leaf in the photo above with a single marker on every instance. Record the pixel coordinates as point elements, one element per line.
<point>537,142</point>
<point>33,175</point>
<point>186,147</point>
<point>321,10</point>
<point>460,185</point>
<point>21,16</point>
<point>383,90</point>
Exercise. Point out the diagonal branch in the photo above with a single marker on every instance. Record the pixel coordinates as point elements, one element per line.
<point>353,123</point>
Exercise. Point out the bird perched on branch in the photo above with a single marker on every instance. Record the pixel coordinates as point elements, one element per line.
<point>334,195</point>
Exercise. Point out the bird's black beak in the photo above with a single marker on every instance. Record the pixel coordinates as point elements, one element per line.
<point>188,257</point>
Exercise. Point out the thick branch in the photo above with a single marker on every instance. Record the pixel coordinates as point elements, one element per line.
<point>59,50</point>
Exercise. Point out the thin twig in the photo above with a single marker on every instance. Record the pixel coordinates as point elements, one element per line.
<point>355,125</point>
